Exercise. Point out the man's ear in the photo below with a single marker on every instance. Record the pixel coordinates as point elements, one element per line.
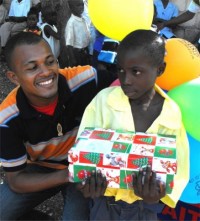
<point>12,77</point>
<point>161,69</point>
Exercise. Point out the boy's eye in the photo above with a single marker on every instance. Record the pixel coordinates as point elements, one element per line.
<point>120,70</point>
<point>136,72</point>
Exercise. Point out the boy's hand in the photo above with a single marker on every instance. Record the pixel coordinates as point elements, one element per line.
<point>94,186</point>
<point>147,187</point>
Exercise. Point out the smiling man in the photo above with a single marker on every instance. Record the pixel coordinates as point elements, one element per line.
<point>38,125</point>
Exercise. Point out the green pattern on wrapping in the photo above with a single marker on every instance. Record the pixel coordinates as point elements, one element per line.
<point>93,157</point>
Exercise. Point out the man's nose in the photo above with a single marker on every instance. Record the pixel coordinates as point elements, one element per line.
<point>44,70</point>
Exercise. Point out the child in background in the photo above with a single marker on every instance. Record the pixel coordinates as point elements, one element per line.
<point>165,10</point>
<point>39,7</point>
<point>3,13</point>
<point>32,20</point>
<point>137,105</point>
<point>50,32</point>
<point>77,35</point>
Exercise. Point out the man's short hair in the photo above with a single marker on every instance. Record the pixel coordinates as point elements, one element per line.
<point>23,38</point>
<point>148,41</point>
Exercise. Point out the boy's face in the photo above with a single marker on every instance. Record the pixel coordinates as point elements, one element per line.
<point>136,74</point>
<point>32,21</point>
<point>77,7</point>
<point>35,69</point>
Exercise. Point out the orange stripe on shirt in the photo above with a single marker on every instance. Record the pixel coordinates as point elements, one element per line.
<point>70,73</point>
<point>9,100</point>
<point>52,150</point>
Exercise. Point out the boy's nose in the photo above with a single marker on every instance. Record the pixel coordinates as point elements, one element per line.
<point>127,79</point>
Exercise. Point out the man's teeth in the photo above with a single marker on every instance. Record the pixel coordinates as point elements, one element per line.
<point>46,82</point>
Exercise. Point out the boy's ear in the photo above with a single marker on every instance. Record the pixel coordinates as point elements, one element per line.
<point>161,69</point>
<point>12,77</point>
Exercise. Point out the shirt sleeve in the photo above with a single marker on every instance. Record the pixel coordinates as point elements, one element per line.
<point>27,8</point>
<point>3,14</point>
<point>11,11</point>
<point>175,12</point>
<point>182,176</point>
<point>193,7</point>
<point>13,155</point>
<point>13,152</point>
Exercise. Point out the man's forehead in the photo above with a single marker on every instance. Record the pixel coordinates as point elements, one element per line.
<point>32,51</point>
<point>39,45</point>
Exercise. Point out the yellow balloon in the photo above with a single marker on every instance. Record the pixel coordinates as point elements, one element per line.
<point>182,63</point>
<point>117,18</point>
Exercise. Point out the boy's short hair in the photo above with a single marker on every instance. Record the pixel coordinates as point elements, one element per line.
<point>23,38</point>
<point>148,41</point>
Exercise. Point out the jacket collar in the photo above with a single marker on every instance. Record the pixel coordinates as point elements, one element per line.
<point>167,118</point>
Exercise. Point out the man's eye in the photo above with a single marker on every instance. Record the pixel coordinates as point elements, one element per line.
<point>32,68</point>
<point>50,62</point>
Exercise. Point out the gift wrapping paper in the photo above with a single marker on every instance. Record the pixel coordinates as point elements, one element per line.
<point>119,154</point>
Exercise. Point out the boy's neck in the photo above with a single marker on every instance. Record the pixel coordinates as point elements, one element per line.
<point>80,16</point>
<point>146,99</point>
<point>165,2</point>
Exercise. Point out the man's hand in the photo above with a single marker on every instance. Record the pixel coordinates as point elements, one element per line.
<point>147,187</point>
<point>94,186</point>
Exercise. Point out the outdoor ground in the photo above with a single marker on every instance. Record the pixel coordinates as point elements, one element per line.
<point>51,209</point>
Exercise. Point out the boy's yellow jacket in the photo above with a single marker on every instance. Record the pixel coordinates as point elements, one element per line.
<point>111,109</point>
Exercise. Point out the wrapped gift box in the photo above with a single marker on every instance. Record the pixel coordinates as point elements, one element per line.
<point>119,154</point>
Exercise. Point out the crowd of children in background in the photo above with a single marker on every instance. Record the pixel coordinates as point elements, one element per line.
<point>83,42</point>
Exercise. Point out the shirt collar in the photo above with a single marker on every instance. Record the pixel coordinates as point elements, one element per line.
<point>167,118</point>
<point>19,2</point>
<point>77,18</point>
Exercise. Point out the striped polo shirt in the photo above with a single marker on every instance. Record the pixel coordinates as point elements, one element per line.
<point>31,136</point>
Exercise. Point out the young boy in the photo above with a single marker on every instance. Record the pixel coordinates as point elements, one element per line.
<point>32,20</point>
<point>49,30</point>
<point>39,120</point>
<point>141,106</point>
<point>77,35</point>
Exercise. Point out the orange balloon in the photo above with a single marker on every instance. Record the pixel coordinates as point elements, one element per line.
<point>182,63</point>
